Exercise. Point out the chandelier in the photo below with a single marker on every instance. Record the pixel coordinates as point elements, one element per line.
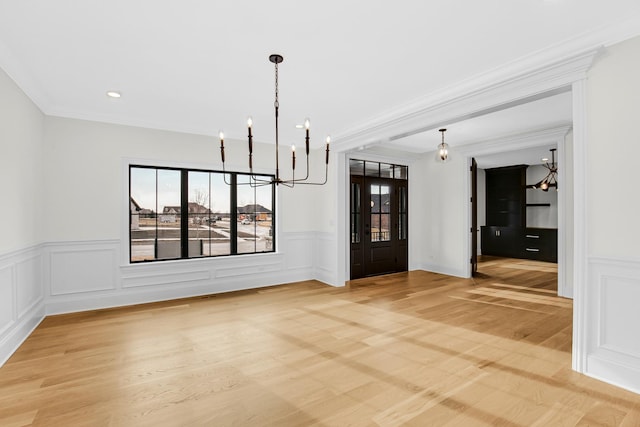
<point>258,180</point>
<point>442,153</point>
<point>551,180</point>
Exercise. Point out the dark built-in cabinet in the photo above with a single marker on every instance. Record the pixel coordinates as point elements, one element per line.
<point>506,233</point>
<point>516,242</point>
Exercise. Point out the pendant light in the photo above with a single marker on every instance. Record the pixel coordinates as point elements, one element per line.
<point>442,153</point>
<point>551,180</point>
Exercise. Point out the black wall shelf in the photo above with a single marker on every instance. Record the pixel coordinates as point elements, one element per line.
<point>538,204</point>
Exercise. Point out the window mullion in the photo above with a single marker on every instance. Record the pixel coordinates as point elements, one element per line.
<point>184,213</point>
<point>233,215</point>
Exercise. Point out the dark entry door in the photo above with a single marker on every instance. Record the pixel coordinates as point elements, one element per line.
<point>379,226</point>
<point>474,217</point>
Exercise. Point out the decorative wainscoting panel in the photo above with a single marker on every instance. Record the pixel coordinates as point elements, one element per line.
<point>86,276</point>
<point>298,248</point>
<point>28,287</point>
<point>613,294</point>
<point>82,267</point>
<point>324,255</point>
<point>21,298</point>
<point>7,298</point>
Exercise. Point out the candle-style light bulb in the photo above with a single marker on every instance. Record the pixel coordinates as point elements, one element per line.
<point>307,125</point>
<point>293,156</point>
<point>327,157</point>
<point>221,135</point>
<point>249,122</point>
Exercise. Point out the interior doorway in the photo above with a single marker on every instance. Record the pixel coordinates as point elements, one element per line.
<point>378,218</point>
<point>512,218</point>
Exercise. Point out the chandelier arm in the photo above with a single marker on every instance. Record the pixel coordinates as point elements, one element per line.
<point>303,182</point>
<point>307,174</point>
<point>224,173</point>
<point>326,175</point>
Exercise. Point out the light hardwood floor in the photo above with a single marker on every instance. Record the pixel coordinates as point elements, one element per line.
<point>413,349</point>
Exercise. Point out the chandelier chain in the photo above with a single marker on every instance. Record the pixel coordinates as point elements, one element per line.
<point>276,103</point>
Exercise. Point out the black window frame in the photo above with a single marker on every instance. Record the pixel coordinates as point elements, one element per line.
<point>184,212</point>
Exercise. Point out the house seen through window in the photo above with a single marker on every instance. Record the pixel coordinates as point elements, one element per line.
<point>182,213</point>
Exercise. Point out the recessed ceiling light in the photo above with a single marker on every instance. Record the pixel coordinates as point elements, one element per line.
<point>299,126</point>
<point>544,159</point>
<point>113,94</point>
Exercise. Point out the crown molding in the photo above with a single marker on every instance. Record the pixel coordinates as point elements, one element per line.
<point>511,85</point>
<point>520,141</point>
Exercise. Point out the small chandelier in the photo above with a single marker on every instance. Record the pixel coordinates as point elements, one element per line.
<point>256,180</point>
<point>551,180</point>
<point>442,153</point>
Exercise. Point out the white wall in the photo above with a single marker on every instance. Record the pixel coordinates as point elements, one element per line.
<point>22,214</point>
<point>438,212</point>
<point>612,293</point>
<point>84,185</point>
<point>21,135</point>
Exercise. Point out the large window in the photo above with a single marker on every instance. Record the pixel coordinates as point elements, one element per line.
<point>182,213</point>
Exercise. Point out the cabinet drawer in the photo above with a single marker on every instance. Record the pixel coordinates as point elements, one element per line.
<point>540,244</point>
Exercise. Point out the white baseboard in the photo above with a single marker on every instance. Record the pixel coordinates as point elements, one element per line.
<point>434,268</point>
<point>20,331</point>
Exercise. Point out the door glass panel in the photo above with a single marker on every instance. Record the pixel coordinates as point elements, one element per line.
<point>386,170</point>
<point>356,167</point>
<point>380,213</point>
<point>400,172</point>
<point>402,213</point>
<point>375,198</point>
<point>384,230</point>
<point>355,212</point>
<point>375,227</point>
<point>355,228</point>
<point>385,199</point>
<point>372,169</point>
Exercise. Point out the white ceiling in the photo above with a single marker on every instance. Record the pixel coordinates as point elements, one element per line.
<point>199,65</point>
